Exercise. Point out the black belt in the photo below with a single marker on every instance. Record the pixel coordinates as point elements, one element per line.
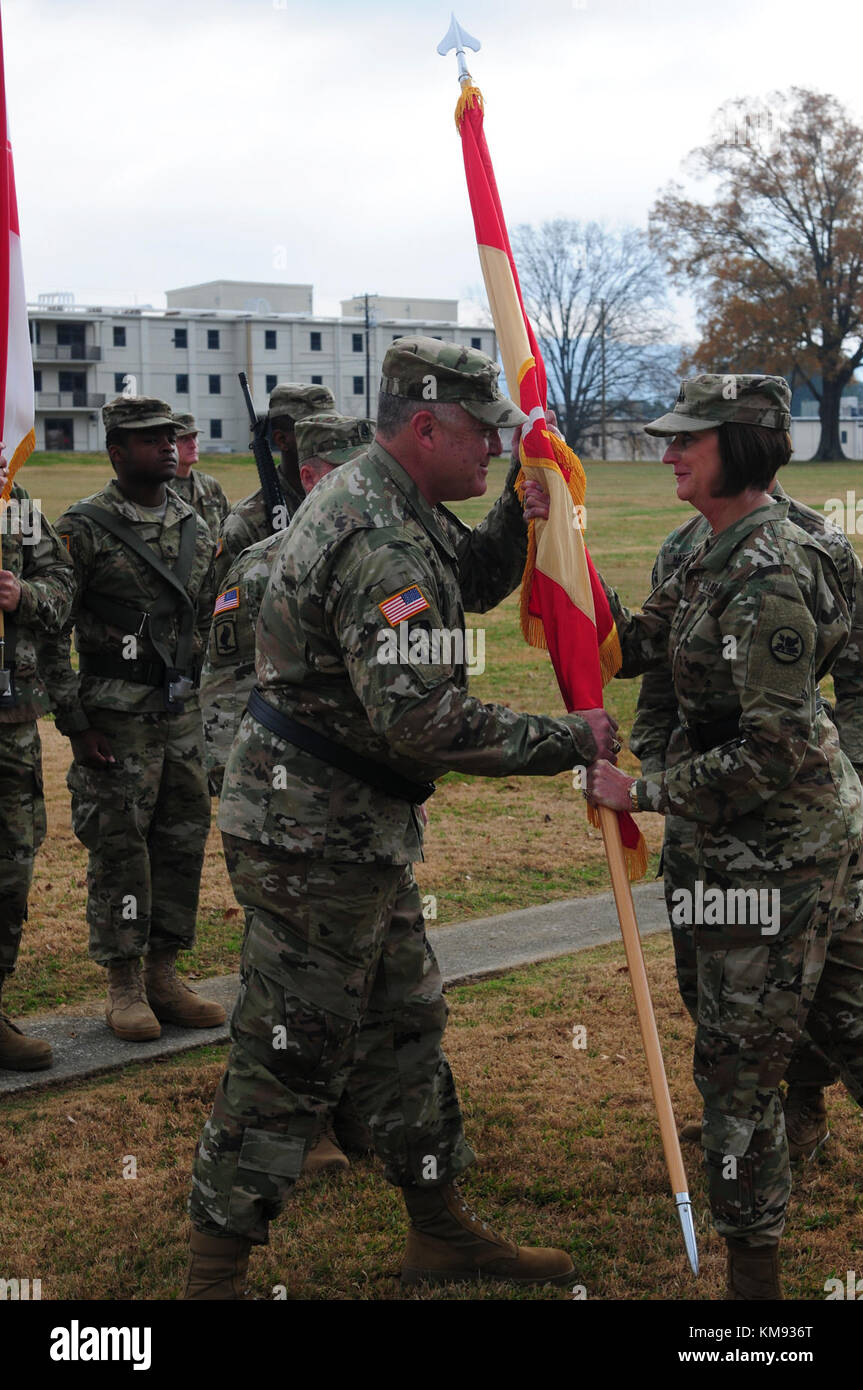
<point>363,769</point>
<point>108,668</point>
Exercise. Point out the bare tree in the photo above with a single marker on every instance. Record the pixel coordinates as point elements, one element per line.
<point>596,299</point>
<point>778,255</point>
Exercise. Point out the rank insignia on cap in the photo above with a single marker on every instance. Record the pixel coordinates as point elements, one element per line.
<point>227,600</point>
<point>403,605</point>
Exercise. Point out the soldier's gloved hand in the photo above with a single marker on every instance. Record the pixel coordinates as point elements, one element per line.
<point>608,786</point>
<point>604,729</point>
<point>92,749</point>
<point>10,591</point>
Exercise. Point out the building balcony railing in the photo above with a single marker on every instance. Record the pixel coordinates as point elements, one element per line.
<point>66,352</point>
<point>69,400</point>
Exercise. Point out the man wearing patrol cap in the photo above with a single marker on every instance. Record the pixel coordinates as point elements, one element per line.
<point>248,521</point>
<point>750,622</point>
<point>200,490</point>
<point>659,742</point>
<point>143,576</point>
<point>228,677</point>
<point>319,814</point>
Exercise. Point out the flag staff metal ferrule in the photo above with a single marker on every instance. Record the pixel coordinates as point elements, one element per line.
<point>459,39</point>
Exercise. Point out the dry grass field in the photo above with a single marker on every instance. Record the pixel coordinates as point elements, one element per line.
<point>566,1139</point>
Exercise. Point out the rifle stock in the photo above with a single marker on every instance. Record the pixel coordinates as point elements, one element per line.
<point>274,498</point>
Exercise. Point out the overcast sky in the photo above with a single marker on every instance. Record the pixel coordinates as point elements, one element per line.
<point>166,142</point>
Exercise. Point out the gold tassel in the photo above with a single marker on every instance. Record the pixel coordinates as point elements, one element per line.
<point>636,859</point>
<point>470,96</point>
<point>610,656</point>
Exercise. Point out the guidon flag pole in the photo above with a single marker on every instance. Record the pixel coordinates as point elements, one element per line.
<point>563,604</point>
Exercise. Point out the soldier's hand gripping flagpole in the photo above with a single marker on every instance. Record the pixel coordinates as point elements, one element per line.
<point>564,607</point>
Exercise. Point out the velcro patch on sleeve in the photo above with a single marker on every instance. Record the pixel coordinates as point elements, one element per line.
<point>228,599</point>
<point>220,545</point>
<point>403,605</point>
<point>780,657</point>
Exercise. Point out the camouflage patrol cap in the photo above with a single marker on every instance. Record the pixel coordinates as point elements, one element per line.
<point>426,369</point>
<point>185,425</point>
<point>716,399</point>
<point>136,413</point>
<point>334,438</point>
<point>299,399</point>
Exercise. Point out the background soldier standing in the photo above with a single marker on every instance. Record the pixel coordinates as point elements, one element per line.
<point>659,741</point>
<point>320,823</point>
<point>143,572</point>
<point>36,586</point>
<point>200,490</point>
<point>249,521</point>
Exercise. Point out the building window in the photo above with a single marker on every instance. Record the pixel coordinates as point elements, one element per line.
<point>181,337</point>
<point>181,384</point>
<point>37,381</point>
<point>317,381</point>
<point>844,436</point>
<point>215,385</point>
<point>270,339</point>
<point>476,343</point>
<point>396,337</point>
<point>119,337</point>
<point>359,385</point>
<point>315,342</point>
<point>356,342</point>
<point>212,337</point>
<point>271,383</point>
<point>119,379</point>
<point>215,429</point>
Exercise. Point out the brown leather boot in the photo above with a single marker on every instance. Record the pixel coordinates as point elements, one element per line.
<point>20,1053</point>
<point>448,1242</point>
<point>325,1156</point>
<point>171,1000</point>
<point>690,1134</point>
<point>806,1124</point>
<point>127,1011</point>
<point>217,1268</point>
<point>753,1271</point>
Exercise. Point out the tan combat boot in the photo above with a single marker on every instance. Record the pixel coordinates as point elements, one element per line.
<point>325,1156</point>
<point>171,1000</point>
<point>127,1011</point>
<point>690,1134</point>
<point>448,1242</point>
<point>20,1053</point>
<point>217,1268</point>
<point>806,1124</point>
<point>753,1271</point>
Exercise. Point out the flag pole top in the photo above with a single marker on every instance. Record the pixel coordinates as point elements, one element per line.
<point>459,39</point>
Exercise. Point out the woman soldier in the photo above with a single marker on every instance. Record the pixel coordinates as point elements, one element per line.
<point>749,624</point>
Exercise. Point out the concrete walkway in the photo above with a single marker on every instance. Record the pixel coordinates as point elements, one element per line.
<point>84,1046</point>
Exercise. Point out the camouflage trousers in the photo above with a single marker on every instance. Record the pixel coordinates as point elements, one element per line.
<point>756,992</point>
<point>145,822</point>
<point>338,980</point>
<point>22,830</point>
<point>809,1065</point>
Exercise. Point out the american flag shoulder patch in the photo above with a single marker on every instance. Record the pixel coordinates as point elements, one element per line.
<point>220,545</point>
<point>403,605</point>
<point>228,599</point>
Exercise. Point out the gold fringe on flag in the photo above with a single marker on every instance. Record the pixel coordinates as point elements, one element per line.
<point>635,859</point>
<point>470,96</point>
<point>20,456</point>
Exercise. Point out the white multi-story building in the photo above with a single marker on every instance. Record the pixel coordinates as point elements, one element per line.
<point>190,353</point>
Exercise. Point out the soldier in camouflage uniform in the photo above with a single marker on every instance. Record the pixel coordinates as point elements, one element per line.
<point>249,521</point>
<point>658,740</point>
<point>36,586</point>
<point>320,821</point>
<point>142,563</point>
<point>750,622</point>
<point>323,442</point>
<point>200,490</point>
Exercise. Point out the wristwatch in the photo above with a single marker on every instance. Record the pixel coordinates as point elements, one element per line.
<point>633,796</point>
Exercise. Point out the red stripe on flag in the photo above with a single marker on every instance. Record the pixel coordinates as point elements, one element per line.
<point>8,217</point>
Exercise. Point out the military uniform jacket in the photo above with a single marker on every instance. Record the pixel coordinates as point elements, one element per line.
<point>47,585</point>
<point>229,666</point>
<point>248,522</point>
<point>749,623</point>
<point>104,565</point>
<point>365,557</point>
<point>656,737</point>
<point>205,495</point>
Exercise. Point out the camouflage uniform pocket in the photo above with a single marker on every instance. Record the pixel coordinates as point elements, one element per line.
<point>264,1151</point>
<point>99,803</point>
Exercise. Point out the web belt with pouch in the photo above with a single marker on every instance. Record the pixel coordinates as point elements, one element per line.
<point>174,672</point>
<point>703,737</point>
<point>8,693</point>
<point>335,754</point>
